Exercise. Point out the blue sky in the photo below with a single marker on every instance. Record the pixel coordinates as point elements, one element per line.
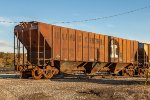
<point>135,26</point>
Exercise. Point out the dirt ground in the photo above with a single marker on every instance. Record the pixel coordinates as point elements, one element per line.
<point>74,89</point>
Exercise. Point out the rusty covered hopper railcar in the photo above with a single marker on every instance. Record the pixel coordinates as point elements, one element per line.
<point>143,59</point>
<point>50,50</point>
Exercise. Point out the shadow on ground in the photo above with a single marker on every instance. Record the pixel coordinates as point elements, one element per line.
<point>111,81</point>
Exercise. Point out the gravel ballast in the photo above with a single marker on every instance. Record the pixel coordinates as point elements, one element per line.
<point>74,89</point>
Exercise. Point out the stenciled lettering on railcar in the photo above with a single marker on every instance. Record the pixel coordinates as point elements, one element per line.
<point>64,36</point>
<point>72,37</point>
<point>86,39</point>
<point>91,43</point>
<point>97,41</point>
<point>114,49</point>
<point>91,40</point>
<point>101,42</point>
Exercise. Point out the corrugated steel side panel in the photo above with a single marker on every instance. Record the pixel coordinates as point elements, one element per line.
<point>102,48</point>
<point>112,49</point>
<point>91,46</point>
<point>56,42</point>
<point>85,46</point>
<point>64,44</point>
<point>128,51</point>
<point>146,49</point>
<point>50,36</point>
<point>72,46</point>
<point>132,51</point>
<point>97,47</point>
<point>124,51</point>
<point>78,45</point>
<point>116,49</point>
<point>75,45</point>
<point>146,52</point>
<point>120,50</point>
<point>135,50</point>
<point>106,48</point>
<point>149,52</point>
<point>47,32</point>
<point>114,52</point>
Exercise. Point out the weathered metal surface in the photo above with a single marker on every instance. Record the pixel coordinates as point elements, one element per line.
<point>91,46</point>
<point>117,67</point>
<point>128,51</point>
<point>72,45</point>
<point>149,53</point>
<point>99,67</point>
<point>78,45</point>
<point>85,50</point>
<point>48,73</point>
<point>68,67</point>
<point>124,51</point>
<point>102,48</point>
<point>132,52</point>
<point>37,73</point>
<point>135,51</point>
<point>116,49</point>
<point>145,54</point>
<point>140,54</point>
<point>120,50</point>
<point>85,46</point>
<point>64,44</point>
<point>112,49</point>
<point>97,47</point>
<point>106,49</point>
<point>56,42</point>
<point>128,71</point>
<point>46,31</point>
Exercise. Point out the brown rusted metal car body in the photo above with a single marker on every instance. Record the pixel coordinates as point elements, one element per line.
<point>49,50</point>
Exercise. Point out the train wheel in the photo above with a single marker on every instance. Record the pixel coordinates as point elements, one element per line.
<point>124,72</point>
<point>140,72</point>
<point>131,72</point>
<point>23,75</point>
<point>20,68</point>
<point>48,72</point>
<point>37,73</point>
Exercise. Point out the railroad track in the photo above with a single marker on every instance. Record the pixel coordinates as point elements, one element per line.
<point>10,73</point>
<point>13,76</point>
